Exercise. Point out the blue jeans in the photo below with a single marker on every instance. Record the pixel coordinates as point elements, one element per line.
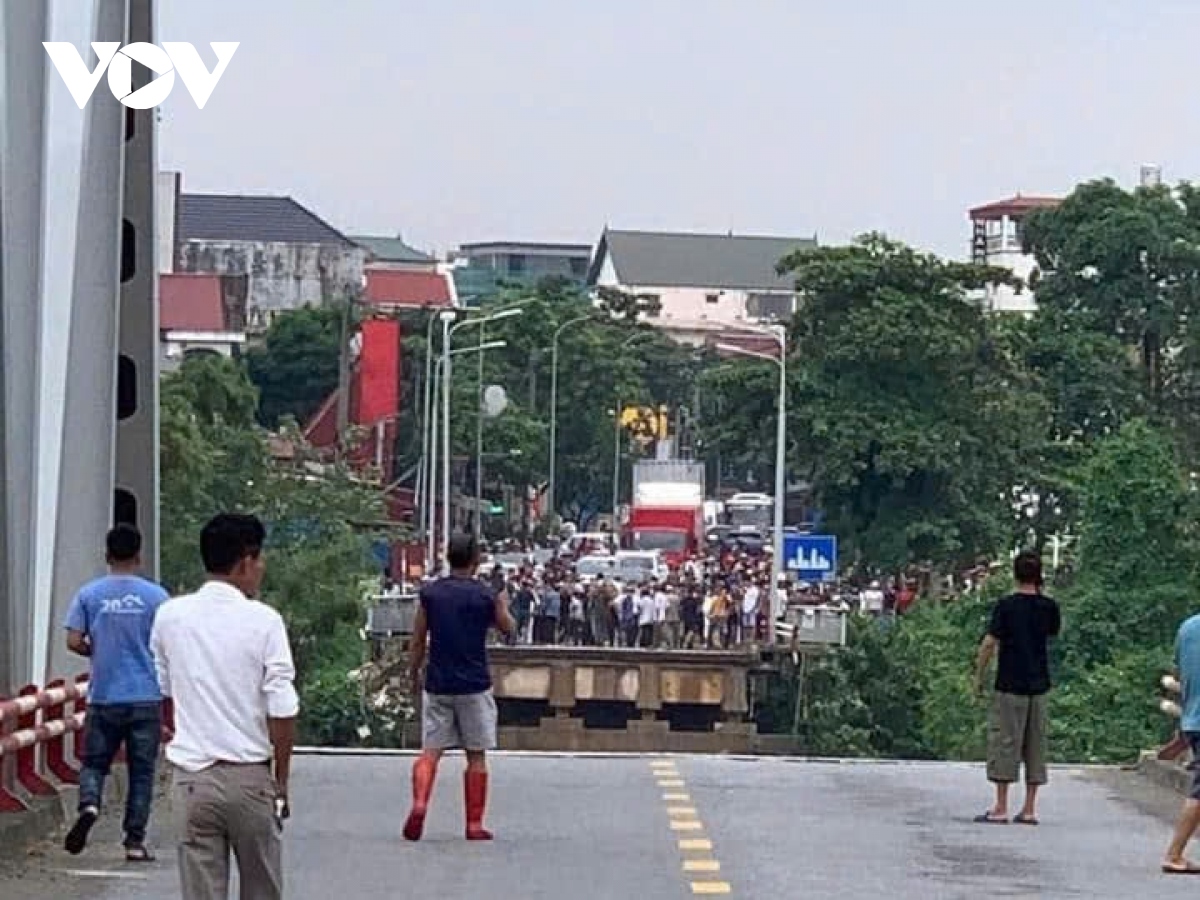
<point>139,727</point>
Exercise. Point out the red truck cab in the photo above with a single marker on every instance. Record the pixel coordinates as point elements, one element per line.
<point>676,532</point>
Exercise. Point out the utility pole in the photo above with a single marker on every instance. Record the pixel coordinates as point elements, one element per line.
<point>343,400</point>
<point>479,438</point>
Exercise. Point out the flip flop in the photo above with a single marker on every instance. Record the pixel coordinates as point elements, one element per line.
<point>1184,868</point>
<point>1025,820</point>
<point>988,819</point>
<point>138,853</point>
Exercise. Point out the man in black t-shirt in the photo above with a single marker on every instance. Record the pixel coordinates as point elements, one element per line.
<point>457,707</point>
<point>1020,630</point>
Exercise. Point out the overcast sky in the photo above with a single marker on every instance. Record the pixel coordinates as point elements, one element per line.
<point>547,119</point>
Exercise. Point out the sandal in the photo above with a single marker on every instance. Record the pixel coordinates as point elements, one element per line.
<point>1187,867</point>
<point>1023,819</point>
<point>138,853</point>
<point>988,819</point>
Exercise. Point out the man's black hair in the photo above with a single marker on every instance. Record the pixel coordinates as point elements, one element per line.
<point>227,539</point>
<point>462,552</point>
<point>1027,568</point>
<point>123,543</point>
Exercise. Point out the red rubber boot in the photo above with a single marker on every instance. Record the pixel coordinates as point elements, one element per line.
<point>423,774</point>
<point>475,790</point>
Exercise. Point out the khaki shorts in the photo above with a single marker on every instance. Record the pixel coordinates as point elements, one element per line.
<point>1016,735</point>
<point>458,721</point>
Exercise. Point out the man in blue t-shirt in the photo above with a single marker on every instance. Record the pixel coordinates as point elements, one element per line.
<point>109,622</point>
<point>457,707</point>
<point>1187,663</point>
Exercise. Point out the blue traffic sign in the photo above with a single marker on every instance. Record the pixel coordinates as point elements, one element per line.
<point>811,557</point>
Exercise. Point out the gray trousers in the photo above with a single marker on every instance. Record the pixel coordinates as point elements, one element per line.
<point>222,809</point>
<point>1016,735</point>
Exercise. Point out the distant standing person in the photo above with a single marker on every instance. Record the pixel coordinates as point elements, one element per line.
<point>457,708</point>
<point>110,621</point>
<point>1187,664</point>
<point>1020,630</point>
<point>223,658</point>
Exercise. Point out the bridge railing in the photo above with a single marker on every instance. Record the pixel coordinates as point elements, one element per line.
<point>34,730</point>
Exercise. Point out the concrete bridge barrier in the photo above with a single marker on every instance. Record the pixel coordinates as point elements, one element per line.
<point>605,699</point>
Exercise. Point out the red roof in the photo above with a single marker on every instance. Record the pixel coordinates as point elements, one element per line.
<point>1014,207</point>
<point>190,302</point>
<point>399,287</point>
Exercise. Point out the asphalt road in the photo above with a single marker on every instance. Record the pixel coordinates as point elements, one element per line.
<point>592,828</point>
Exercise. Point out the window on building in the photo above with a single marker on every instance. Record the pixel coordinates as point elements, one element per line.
<point>651,305</point>
<point>516,264</point>
<point>578,266</point>
<point>771,307</point>
<point>712,298</point>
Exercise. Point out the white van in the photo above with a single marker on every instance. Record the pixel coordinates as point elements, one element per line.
<point>636,566</point>
<point>593,568</point>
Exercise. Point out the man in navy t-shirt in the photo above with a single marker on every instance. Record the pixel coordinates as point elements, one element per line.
<point>110,621</point>
<point>457,708</point>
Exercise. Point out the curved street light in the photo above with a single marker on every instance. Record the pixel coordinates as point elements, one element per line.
<point>447,374</point>
<point>779,332</point>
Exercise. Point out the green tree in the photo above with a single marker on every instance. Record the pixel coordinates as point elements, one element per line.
<point>1137,550</point>
<point>1117,286</point>
<point>902,410</point>
<point>296,367</point>
<point>321,520</point>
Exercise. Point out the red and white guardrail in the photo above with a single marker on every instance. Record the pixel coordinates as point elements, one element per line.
<point>34,727</point>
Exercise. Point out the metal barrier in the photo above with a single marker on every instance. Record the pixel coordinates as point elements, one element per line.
<point>33,741</point>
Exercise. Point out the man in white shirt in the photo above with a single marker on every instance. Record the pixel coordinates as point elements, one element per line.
<point>226,668</point>
<point>645,610</point>
<point>750,601</point>
<point>872,599</point>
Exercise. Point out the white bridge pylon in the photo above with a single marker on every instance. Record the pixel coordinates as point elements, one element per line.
<point>79,429</point>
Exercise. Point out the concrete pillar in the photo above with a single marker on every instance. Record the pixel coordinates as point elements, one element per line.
<point>23,27</point>
<point>137,486</point>
<point>86,475</point>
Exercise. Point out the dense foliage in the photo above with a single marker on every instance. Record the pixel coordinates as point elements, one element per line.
<point>215,458</point>
<point>934,434</point>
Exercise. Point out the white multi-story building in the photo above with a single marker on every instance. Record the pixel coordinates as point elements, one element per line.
<point>997,240</point>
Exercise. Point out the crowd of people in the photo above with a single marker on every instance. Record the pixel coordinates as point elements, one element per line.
<point>715,602</point>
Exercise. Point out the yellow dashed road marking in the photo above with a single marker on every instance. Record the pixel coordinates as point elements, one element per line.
<point>711,887</point>
<point>683,817</point>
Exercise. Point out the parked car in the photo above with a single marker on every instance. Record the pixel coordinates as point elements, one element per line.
<point>591,568</point>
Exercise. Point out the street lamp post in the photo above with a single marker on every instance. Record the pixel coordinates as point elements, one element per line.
<point>551,498</point>
<point>447,386</point>
<point>780,335</point>
<point>479,441</point>
<point>425,474</point>
<point>430,499</point>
